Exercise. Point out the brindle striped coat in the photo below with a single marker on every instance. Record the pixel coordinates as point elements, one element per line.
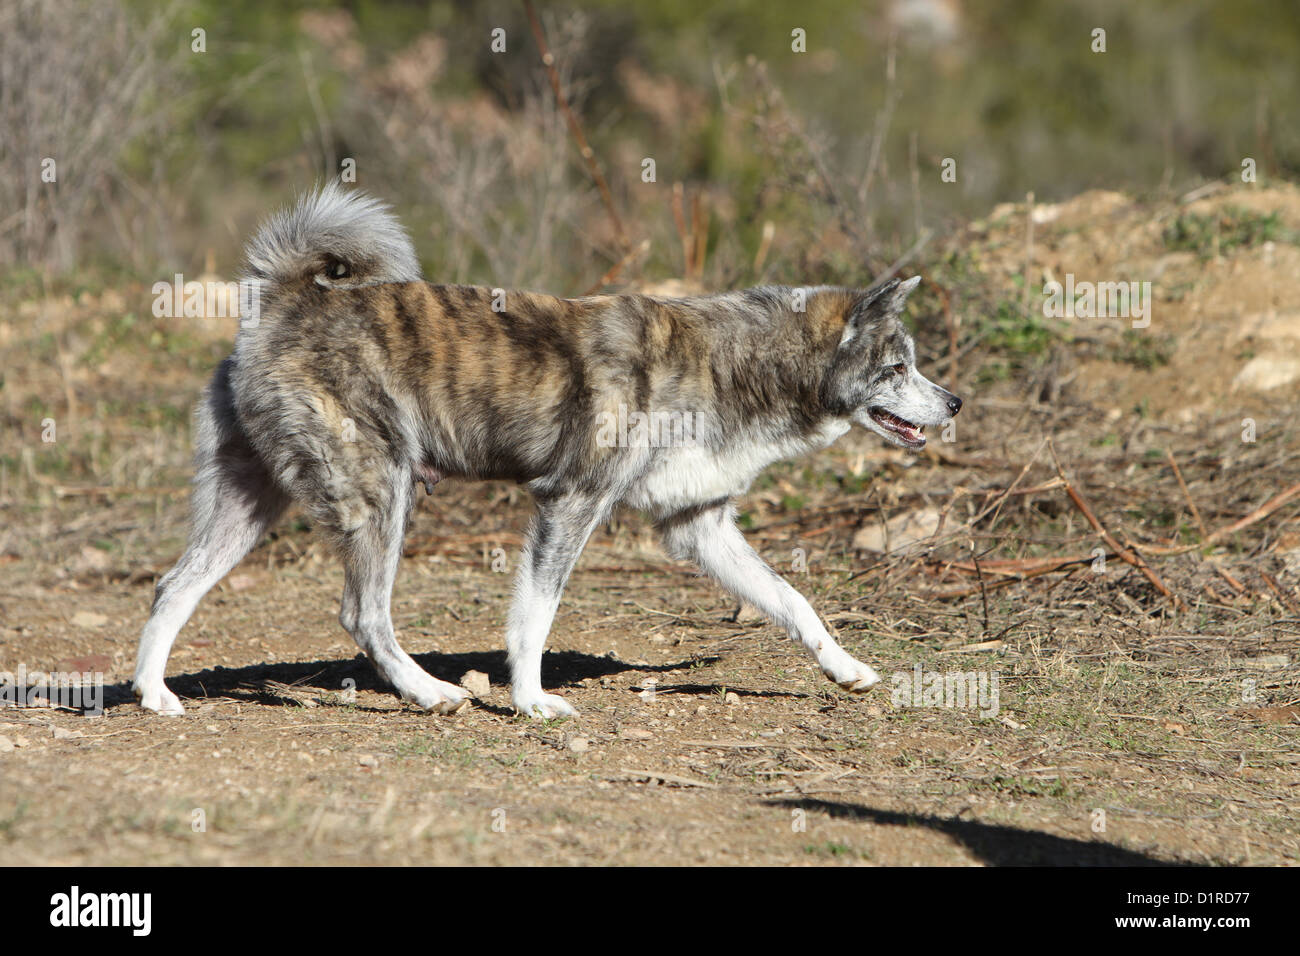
<point>357,381</point>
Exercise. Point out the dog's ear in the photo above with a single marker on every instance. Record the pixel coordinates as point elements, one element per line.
<point>892,295</point>
<point>886,301</point>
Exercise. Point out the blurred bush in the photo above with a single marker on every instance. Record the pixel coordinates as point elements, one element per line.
<point>815,166</point>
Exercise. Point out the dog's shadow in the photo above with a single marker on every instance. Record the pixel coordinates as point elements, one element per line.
<point>277,684</point>
<point>993,844</point>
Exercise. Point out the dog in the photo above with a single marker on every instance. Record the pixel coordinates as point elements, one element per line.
<point>358,381</point>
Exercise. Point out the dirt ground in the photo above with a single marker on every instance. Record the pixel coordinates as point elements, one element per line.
<point>1132,726</point>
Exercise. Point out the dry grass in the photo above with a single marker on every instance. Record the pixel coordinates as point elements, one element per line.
<point>79,85</point>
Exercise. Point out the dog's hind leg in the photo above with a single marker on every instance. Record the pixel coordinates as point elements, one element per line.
<point>710,538</point>
<point>556,537</point>
<point>371,553</point>
<point>233,502</point>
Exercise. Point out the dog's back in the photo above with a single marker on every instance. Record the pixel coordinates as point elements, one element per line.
<point>353,363</point>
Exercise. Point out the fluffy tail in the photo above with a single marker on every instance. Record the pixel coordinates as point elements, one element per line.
<point>339,239</point>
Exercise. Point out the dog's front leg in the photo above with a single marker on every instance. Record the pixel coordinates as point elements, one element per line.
<point>711,539</point>
<point>559,532</point>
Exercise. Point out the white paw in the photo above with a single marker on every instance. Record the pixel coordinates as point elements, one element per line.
<point>159,700</point>
<point>853,676</point>
<point>437,696</point>
<point>544,706</point>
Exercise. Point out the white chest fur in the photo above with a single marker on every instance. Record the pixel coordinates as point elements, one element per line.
<point>691,476</point>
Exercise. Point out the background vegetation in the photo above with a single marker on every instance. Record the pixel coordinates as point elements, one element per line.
<point>167,154</point>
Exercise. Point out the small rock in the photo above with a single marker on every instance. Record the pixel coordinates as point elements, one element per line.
<point>93,559</point>
<point>732,697</point>
<point>477,683</point>
<point>89,619</point>
<point>634,733</point>
<point>6,745</point>
<point>62,733</point>
<point>1266,372</point>
<point>898,535</point>
<point>368,760</point>
<point>1263,662</point>
<point>579,745</point>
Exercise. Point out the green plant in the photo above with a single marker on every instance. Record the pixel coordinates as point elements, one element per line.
<point>1232,227</point>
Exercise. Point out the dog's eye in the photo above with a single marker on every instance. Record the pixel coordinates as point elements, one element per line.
<point>340,270</point>
<point>898,369</point>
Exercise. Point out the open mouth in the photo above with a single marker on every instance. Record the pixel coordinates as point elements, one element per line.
<point>913,436</point>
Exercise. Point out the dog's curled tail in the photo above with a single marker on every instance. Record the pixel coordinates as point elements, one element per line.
<point>338,239</point>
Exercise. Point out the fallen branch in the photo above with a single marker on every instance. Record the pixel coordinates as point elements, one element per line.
<point>1124,554</point>
<point>1187,495</point>
<point>650,776</point>
<point>1057,564</point>
<point>977,589</point>
<point>1002,500</point>
<point>1263,511</point>
<point>1232,582</point>
<point>1260,513</point>
<point>1286,600</point>
<point>1022,567</point>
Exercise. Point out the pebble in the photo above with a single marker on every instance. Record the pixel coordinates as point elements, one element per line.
<point>477,683</point>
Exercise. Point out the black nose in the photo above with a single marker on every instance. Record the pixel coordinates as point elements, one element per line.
<point>954,404</point>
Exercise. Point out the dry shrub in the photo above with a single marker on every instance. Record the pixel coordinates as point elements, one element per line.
<point>79,83</point>
<point>494,195</point>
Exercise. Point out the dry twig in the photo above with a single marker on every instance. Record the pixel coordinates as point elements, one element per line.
<point>1124,554</point>
<point>575,128</point>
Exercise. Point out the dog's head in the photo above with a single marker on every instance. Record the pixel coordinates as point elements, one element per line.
<point>873,378</point>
